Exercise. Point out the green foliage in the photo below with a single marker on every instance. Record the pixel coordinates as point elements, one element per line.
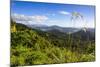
<point>88,57</point>
<point>32,47</point>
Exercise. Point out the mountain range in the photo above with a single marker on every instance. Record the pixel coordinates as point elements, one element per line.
<point>61,29</point>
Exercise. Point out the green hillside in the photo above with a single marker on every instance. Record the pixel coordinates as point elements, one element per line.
<point>33,47</point>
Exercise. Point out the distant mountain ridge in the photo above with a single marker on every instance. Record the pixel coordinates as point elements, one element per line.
<point>61,29</point>
<point>57,31</point>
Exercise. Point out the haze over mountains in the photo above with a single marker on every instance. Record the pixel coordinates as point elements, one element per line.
<point>61,29</point>
<point>88,33</point>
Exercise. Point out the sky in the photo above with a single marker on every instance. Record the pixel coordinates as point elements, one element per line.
<point>52,14</point>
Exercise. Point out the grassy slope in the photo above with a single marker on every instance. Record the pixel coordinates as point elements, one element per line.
<point>31,47</point>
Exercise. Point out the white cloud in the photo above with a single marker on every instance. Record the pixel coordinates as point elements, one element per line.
<point>64,12</point>
<point>39,19</point>
<point>29,19</point>
<point>18,17</point>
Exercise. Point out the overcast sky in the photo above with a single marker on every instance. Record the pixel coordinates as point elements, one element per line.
<point>52,14</point>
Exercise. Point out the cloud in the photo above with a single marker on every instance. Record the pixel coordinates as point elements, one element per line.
<point>39,19</point>
<point>29,19</point>
<point>64,12</point>
<point>18,17</point>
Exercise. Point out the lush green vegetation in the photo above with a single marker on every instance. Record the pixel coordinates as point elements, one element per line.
<point>32,47</point>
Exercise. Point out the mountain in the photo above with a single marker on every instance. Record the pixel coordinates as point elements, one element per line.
<point>89,34</point>
<point>58,28</point>
<point>54,27</point>
<point>60,32</point>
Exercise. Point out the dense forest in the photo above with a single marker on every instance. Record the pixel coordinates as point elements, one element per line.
<point>31,46</point>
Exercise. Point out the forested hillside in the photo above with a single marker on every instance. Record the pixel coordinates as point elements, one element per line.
<point>32,46</point>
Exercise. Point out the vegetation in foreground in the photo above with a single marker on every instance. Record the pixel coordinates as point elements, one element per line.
<point>32,47</point>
